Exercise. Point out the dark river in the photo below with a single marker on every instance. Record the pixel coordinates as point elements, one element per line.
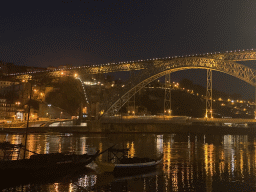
<point>191,162</point>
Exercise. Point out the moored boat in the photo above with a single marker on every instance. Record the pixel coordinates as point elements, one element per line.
<point>39,166</point>
<point>129,165</point>
<point>124,165</point>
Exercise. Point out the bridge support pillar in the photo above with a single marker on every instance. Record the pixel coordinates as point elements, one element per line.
<point>255,104</point>
<point>131,106</point>
<point>131,109</point>
<point>167,97</point>
<point>208,113</point>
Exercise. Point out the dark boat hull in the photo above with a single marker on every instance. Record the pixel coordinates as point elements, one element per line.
<point>42,177</point>
<point>23,171</point>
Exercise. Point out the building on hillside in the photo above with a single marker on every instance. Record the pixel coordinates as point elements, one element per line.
<point>7,110</point>
<point>9,86</point>
<point>4,84</point>
<point>51,68</point>
<point>38,92</point>
<point>20,114</point>
<point>24,78</point>
<point>64,66</point>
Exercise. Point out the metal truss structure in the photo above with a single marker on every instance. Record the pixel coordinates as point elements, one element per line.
<point>131,102</point>
<point>208,112</point>
<point>159,68</point>
<point>237,55</point>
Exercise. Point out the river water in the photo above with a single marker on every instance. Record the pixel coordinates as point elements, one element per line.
<point>190,162</point>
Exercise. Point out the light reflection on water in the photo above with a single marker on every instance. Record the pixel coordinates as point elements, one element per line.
<point>190,162</point>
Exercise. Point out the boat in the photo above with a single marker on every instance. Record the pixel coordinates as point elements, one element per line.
<point>39,166</point>
<point>126,166</point>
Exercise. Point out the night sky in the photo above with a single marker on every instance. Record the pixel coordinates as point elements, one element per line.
<point>78,32</point>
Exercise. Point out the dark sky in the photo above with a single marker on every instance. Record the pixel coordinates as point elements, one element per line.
<point>78,32</point>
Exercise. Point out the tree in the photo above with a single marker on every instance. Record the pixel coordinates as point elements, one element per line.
<point>69,96</point>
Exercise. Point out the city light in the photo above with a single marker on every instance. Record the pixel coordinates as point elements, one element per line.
<point>17,103</point>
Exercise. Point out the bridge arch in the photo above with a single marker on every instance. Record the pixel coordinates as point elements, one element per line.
<point>161,68</point>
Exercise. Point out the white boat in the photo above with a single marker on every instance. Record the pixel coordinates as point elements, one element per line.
<point>131,165</point>
<point>127,165</point>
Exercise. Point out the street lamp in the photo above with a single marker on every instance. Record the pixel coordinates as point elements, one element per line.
<point>60,114</point>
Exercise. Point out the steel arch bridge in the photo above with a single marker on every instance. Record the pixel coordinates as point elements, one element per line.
<point>159,68</point>
<point>151,69</point>
<point>236,55</point>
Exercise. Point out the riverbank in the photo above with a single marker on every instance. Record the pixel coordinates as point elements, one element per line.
<point>97,127</point>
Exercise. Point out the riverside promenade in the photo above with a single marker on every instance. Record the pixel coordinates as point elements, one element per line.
<point>132,127</point>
